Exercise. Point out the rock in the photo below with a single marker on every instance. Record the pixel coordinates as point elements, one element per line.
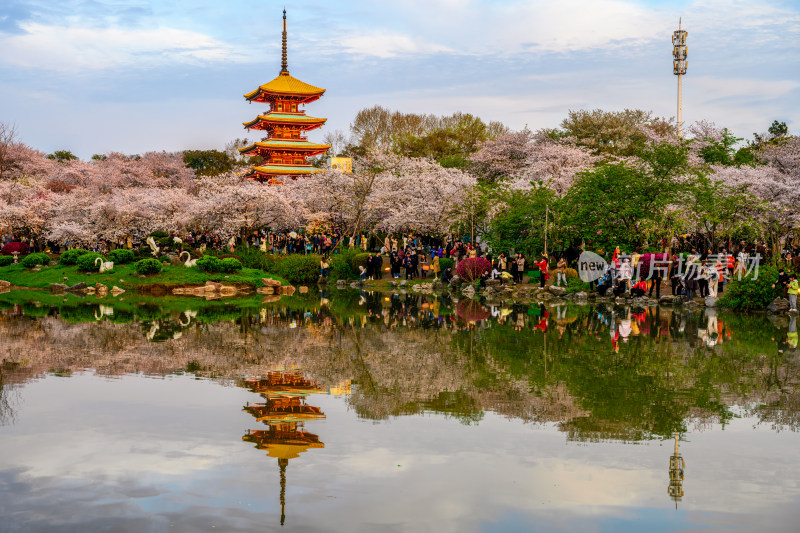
<point>174,260</point>
<point>666,300</point>
<point>89,290</point>
<point>341,284</point>
<point>492,282</point>
<point>711,301</point>
<point>557,291</point>
<point>116,290</point>
<point>58,288</point>
<point>393,283</point>
<point>268,282</point>
<point>778,305</point>
<point>228,290</point>
<point>355,285</point>
<point>4,283</point>
<point>178,290</point>
<point>468,291</point>
<point>37,268</point>
<point>270,299</point>
<point>794,312</point>
<point>581,296</point>
<point>303,289</point>
<point>620,300</point>
<point>99,287</point>
<point>454,283</point>
<point>265,290</point>
<point>287,290</point>
<point>82,285</point>
<point>212,286</point>
<point>545,296</point>
<point>404,283</point>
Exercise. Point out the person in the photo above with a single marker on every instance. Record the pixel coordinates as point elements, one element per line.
<point>792,291</point>
<point>544,276</point>
<point>502,262</point>
<point>513,269</point>
<point>324,266</point>
<point>782,283</point>
<point>625,274</point>
<point>713,279</point>
<point>362,272</point>
<point>702,280</point>
<point>638,290</point>
<point>447,275</point>
<point>520,267</point>
<point>561,272</point>
<point>377,266</point>
<point>436,267</point>
<point>423,266</point>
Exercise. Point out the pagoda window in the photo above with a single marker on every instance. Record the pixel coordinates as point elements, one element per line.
<point>280,106</point>
<point>294,107</point>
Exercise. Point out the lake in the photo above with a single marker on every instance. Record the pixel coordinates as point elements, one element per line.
<point>348,411</point>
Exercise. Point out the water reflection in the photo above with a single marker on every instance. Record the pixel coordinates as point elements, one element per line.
<point>285,412</point>
<point>580,374</point>
<point>599,371</point>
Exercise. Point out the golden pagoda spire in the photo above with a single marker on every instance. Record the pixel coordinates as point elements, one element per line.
<point>284,62</point>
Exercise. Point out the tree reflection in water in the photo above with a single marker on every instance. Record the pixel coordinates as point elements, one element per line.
<point>598,372</point>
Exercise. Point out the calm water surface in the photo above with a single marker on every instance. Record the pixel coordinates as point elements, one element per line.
<point>358,412</point>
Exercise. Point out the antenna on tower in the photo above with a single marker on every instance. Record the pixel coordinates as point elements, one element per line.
<point>679,63</point>
<point>284,61</point>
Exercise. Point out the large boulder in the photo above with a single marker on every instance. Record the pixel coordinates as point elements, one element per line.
<point>666,300</point>
<point>265,290</point>
<point>492,282</point>
<point>557,291</point>
<point>303,289</point>
<point>341,284</point>
<point>58,288</point>
<point>268,282</point>
<point>711,301</point>
<point>212,286</point>
<point>174,260</point>
<point>778,305</point>
<point>4,283</point>
<point>287,290</point>
<point>77,287</point>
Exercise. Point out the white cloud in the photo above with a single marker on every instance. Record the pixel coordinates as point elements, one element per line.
<point>78,48</point>
<point>385,45</point>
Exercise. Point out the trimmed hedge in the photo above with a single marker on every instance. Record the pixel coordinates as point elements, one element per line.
<point>147,266</point>
<point>33,260</point>
<point>121,256</point>
<point>6,260</point>
<point>299,269</point>
<point>210,263</point>
<point>445,262</point>
<point>86,262</point>
<point>70,257</point>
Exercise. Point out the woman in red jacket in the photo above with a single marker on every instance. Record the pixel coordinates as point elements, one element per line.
<point>544,276</point>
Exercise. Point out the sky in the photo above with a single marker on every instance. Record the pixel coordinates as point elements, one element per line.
<point>134,76</point>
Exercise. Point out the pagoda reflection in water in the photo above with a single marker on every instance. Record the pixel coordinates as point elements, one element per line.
<point>285,412</point>
<point>676,468</point>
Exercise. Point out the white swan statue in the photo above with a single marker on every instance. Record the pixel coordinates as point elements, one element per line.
<point>189,261</point>
<point>153,246</point>
<point>104,265</point>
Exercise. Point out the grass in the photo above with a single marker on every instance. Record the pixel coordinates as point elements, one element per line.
<point>123,276</point>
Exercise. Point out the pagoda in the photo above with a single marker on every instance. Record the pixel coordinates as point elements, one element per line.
<point>285,412</point>
<point>285,148</point>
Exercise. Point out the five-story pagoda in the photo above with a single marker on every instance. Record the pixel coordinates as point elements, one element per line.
<point>285,148</point>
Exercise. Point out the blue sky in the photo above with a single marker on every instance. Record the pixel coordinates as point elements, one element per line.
<point>134,76</point>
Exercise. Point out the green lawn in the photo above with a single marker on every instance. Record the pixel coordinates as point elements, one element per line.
<point>124,277</point>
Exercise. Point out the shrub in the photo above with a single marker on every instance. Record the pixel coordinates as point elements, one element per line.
<point>15,246</point>
<point>299,269</point>
<point>70,257</point>
<point>6,260</point>
<point>574,284</point>
<point>86,262</point>
<point>32,260</point>
<point>749,293</point>
<point>341,268</point>
<point>121,256</point>
<point>445,262</point>
<point>147,266</point>
<point>209,263</point>
<point>159,235</point>
<point>472,268</point>
<point>252,257</point>
<point>230,264</point>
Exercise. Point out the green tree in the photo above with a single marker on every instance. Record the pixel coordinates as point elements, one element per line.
<point>626,203</point>
<point>718,209</point>
<point>208,162</point>
<point>62,155</point>
<point>518,221</point>
<point>613,132</point>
